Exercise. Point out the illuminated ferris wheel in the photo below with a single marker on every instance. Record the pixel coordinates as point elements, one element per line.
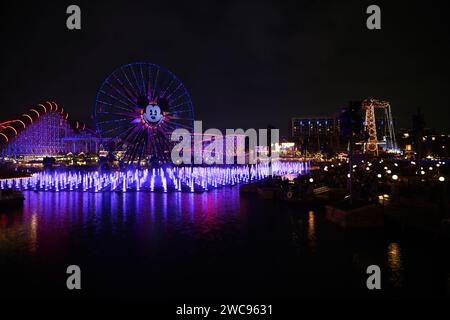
<point>136,109</point>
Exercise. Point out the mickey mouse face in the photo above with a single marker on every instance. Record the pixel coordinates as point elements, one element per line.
<point>153,114</point>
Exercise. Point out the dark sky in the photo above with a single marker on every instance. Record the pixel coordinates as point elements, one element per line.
<point>245,64</point>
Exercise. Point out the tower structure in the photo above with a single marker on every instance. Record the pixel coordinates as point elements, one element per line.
<point>371,145</point>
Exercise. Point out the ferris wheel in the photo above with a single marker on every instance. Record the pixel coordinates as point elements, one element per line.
<point>136,109</point>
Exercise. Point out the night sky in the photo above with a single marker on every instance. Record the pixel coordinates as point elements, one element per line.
<point>245,64</point>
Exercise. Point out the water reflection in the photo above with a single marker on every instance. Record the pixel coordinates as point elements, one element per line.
<point>33,232</point>
<point>49,222</point>
<point>395,264</point>
<point>156,238</point>
<point>312,231</point>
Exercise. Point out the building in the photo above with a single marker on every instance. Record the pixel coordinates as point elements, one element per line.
<point>316,134</point>
<point>432,144</point>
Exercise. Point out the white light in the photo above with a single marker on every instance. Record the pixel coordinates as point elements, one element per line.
<point>441,179</point>
<point>396,164</point>
<point>368,169</point>
<point>431,168</point>
<point>311,180</point>
<point>379,176</point>
<point>395,177</point>
<point>348,175</point>
<point>385,168</point>
<point>389,171</point>
<point>326,168</point>
<point>422,172</point>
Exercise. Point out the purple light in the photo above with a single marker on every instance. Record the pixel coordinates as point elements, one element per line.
<point>167,179</point>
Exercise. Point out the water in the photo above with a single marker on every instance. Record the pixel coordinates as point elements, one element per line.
<point>208,246</point>
<point>183,178</point>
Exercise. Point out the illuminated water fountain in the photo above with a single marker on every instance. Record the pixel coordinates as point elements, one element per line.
<point>186,179</point>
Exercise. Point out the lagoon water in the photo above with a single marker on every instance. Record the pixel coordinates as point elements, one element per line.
<point>209,246</point>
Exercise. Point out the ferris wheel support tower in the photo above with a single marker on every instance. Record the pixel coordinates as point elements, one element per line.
<point>371,145</point>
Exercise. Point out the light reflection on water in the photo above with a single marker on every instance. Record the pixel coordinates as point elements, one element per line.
<point>395,264</point>
<point>219,230</point>
<point>48,219</point>
<point>312,231</point>
<point>33,233</point>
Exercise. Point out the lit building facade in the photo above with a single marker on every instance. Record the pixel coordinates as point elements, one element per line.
<point>316,134</point>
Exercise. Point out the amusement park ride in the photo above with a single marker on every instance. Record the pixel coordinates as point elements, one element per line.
<point>371,145</point>
<point>136,109</point>
<point>45,130</point>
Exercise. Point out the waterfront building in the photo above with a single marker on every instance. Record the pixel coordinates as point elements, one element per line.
<point>316,134</point>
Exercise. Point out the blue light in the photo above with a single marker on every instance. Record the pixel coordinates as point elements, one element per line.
<point>167,179</point>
